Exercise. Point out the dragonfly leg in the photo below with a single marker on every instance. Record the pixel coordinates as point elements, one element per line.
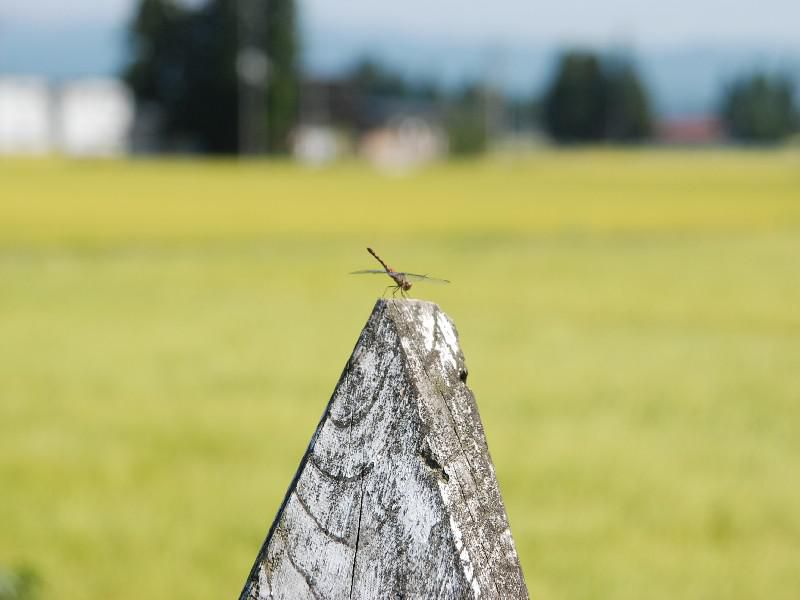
<point>388,287</point>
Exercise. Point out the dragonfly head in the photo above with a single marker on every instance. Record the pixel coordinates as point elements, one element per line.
<point>406,285</point>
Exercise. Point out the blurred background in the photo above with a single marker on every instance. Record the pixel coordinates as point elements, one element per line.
<point>614,190</point>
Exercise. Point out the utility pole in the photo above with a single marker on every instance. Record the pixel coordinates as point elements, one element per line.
<point>252,71</point>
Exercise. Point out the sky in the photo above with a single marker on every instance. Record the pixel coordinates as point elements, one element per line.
<point>634,22</point>
<point>687,49</point>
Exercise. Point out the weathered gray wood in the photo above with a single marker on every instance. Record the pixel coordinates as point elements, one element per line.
<point>396,496</point>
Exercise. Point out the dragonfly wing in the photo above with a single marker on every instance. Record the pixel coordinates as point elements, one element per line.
<point>425,278</point>
<point>369,272</point>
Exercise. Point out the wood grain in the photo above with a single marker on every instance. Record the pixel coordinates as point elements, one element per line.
<point>396,496</point>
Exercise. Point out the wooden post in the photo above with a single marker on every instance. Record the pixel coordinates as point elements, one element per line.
<point>396,496</point>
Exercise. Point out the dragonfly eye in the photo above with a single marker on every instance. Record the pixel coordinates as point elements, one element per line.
<point>406,285</point>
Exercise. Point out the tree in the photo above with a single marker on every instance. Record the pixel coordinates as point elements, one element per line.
<point>184,61</point>
<point>282,48</point>
<point>628,117</point>
<point>210,104</point>
<point>590,101</point>
<point>575,105</point>
<point>155,37</point>
<point>760,108</point>
<point>466,122</point>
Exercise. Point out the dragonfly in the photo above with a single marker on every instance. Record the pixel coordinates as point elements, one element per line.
<point>402,279</point>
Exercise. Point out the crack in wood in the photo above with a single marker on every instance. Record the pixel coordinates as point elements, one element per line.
<point>358,540</point>
<point>333,476</point>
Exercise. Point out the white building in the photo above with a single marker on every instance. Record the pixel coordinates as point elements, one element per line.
<point>90,117</point>
<point>94,118</point>
<point>26,120</point>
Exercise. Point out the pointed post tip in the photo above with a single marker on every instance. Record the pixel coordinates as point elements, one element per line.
<point>383,502</point>
<point>400,302</point>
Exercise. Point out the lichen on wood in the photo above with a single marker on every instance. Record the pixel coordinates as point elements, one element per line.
<point>396,496</point>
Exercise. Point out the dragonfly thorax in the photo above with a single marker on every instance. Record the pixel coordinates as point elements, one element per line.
<point>401,280</point>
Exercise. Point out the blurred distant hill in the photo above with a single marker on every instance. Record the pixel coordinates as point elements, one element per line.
<point>683,80</point>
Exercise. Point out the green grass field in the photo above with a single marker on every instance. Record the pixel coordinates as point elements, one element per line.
<point>171,331</point>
